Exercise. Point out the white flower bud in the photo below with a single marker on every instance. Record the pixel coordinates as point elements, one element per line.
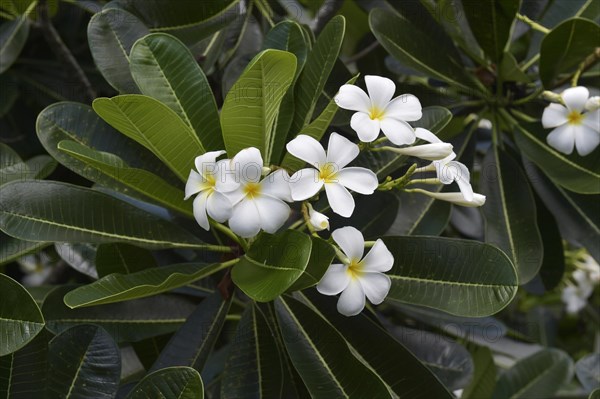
<point>317,220</point>
<point>593,103</point>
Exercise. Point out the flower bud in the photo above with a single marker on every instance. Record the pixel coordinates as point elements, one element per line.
<point>317,220</point>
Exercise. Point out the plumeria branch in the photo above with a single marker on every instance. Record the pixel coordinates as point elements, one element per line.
<point>534,25</point>
<point>585,65</point>
<point>227,231</point>
<point>398,183</point>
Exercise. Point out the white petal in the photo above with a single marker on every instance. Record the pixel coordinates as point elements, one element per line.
<point>361,180</point>
<point>206,161</point>
<point>399,132</point>
<point>352,300</point>
<point>575,98</point>
<point>277,185</point>
<point>218,206</point>
<point>366,128</point>
<point>305,183</point>
<point>593,103</point>
<point>245,219</point>
<point>307,149</point>
<point>405,107</point>
<point>335,280</point>
<point>554,115</point>
<point>200,210</point>
<point>450,171</point>
<point>317,219</point>
<point>379,258</point>
<point>562,138</point>
<point>341,151</point>
<point>273,213</point>
<point>353,98</point>
<point>456,198</point>
<point>375,286</point>
<point>592,120</point>
<point>381,90</point>
<point>430,152</point>
<point>236,195</point>
<point>226,177</point>
<point>339,199</point>
<point>426,135</point>
<point>351,241</point>
<point>195,183</point>
<point>586,139</point>
<point>248,164</point>
<point>462,178</point>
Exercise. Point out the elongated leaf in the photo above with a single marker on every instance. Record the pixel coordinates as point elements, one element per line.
<point>287,36</point>
<point>461,277</point>
<point>13,35</point>
<point>12,166</point>
<point>586,369</point>
<point>122,258</point>
<point>540,375</point>
<point>322,357</point>
<point>123,287</point>
<point>272,265</point>
<point>155,126</point>
<point>575,173</point>
<point>111,33</point>
<point>170,383</point>
<point>77,214</point>
<point>13,248</point>
<point>20,317</point>
<point>127,322</point>
<point>510,215</point>
<point>484,380</point>
<point>321,255</point>
<point>565,47</point>
<point>165,69</point>
<point>81,257</point>
<point>144,182</point>
<point>491,22</point>
<point>250,108</point>
<point>84,362</point>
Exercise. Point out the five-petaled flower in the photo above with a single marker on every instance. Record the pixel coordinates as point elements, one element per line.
<point>357,277</point>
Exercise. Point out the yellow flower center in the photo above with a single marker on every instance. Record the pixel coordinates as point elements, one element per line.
<point>376,113</point>
<point>354,268</point>
<point>575,118</point>
<point>252,190</point>
<point>328,173</point>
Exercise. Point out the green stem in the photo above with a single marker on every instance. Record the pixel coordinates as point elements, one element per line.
<point>534,25</point>
<point>530,97</point>
<point>227,231</point>
<point>214,248</point>
<point>585,65</point>
<point>532,60</point>
<point>431,180</point>
<point>306,217</point>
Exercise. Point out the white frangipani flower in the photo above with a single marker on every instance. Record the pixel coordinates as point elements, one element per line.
<point>330,171</point>
<point>449,171</point>
<point>575,296</point>
<point>211,185</point>
<point>37,268</point>
<point>257,204</point>
<point>317,220</point>
<point>377,111</point>
<point>591,267</point>
<point>574,127</point>
<point>357,277</point>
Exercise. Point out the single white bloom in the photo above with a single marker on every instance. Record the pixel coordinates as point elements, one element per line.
<point>574,127</point>
<point>258,204</point>
<point>357,277</point>
<point>211,185</point>
<point>37,269</point>
<point>330,171</point>
<point>589,265</point>
<point>317,219</point>
<point>455,198</point>
<point>575,296</point>
<point>449,171</point>
<point>377,111</point>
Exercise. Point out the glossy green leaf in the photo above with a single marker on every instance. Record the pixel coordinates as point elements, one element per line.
<point>111,33</point>
<point>13,35</point>
<point>124,287</point>
<point>84,362</point>
<point>122,258</point>
<point>250,108</point>
<point>13,248</point>
<point>12,166</point>
<point>41,166</point>
<point>510,71</point>
<point>77,214</point>
<point>155,126</point>
<point>491,22</point>
<point>20,317</point>
<point>575,173</point>
<point>446,274</point>
<point>595,394</point>
<point>565,48</point>
<point>321,255</point>
<point>484,380</point>
<point>287,36</point>
<point>164,68</point>
<point>145,183</point>
<point>322,356</point>
<point>170,383</point>
<point>272,265</point>
<point>419,215</point>
<point>80,256</point>
<point>510,215</point>
<point>540,375</point>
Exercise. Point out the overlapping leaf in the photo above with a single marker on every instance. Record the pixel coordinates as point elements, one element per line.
<point>170,383</point>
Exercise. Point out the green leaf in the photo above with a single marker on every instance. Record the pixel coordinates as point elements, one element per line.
<point>272,265</point>
<point>446,274</point>
<point>53,211</point>
<point>13,248</point>
<point>122,258</point>
<point>250,109</point>
<point>81,257</point>
<point>419,215</point>
<point>321,255</point>
<point>586,368</point>
<point>84,362</point>
<point>319,64</point>
<point>510,215</point>
<point>491,22</point>
<point>565,48</point>
<point>413,46</point>
<point>41,166</point>
<point>170,383</point>
<point>118,287</point>
<point>164,68</point>
<point>510,71</point>
<point>595,394</point>
<point>145,183</point>
<point>193,342</point>
<point>540,375</point>
<point>575,173</point>
<point>111,33</point>
<point>287,36</point>
<point>484,380</point>
<point>12,166</point>
<point>20,317</point>
<point>322,356</point>
<point>127,322</point>
<point>155,126</point>
<point>13,35</point>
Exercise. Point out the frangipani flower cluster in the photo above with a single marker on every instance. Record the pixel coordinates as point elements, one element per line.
<point>576,293</point>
